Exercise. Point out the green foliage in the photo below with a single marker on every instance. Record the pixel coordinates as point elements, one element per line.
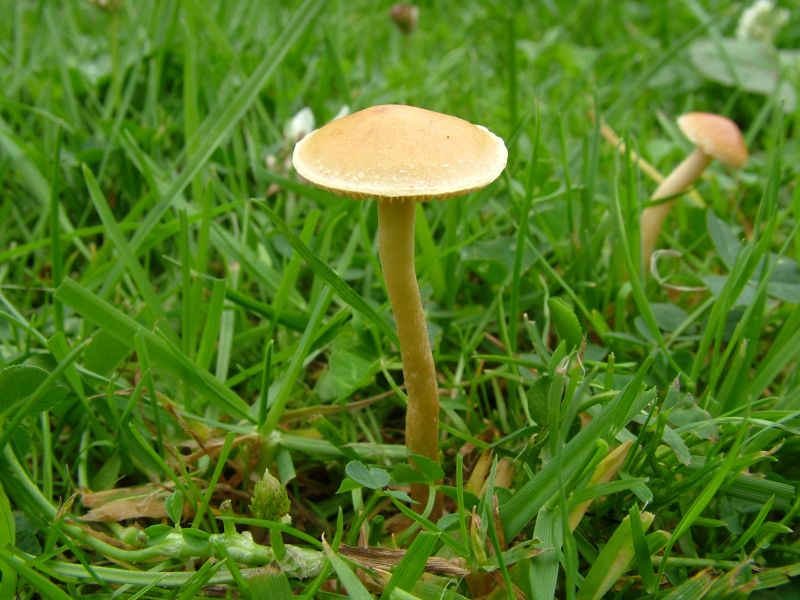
<point>8,575</point>
<point>369,477</point>
<point>747,64</point>
<point>20,382</point>
<point>179,313</point>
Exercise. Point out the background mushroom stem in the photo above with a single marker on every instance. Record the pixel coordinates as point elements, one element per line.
<point>396,248</point>
<point>676,182</point>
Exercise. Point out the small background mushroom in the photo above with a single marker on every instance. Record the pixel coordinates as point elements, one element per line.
<point>715,137</point>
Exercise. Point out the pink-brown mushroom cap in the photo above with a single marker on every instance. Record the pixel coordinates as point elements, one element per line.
<point>717,136</point>
<point>400,152</point>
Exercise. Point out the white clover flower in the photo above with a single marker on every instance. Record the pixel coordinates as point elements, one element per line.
<point>299,125</point>
<point>343,112</point>
<point>761,21</point>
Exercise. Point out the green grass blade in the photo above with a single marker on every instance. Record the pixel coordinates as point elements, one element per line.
<point>355,589</point>
<point>8,575</point>
<point>613,560</point>
<point>412,565</point>
<point>217,127</point>
<point>544,568</point>
<point>124,329</point>
<point>292,373</point>
<point>522,235</point>
<point>784,349</point>
<point>200,578</point>
<point>295,321</point>
<point>152,304</point>
<point>211,325</point>
<point>270,583</point>
<point>704,498</point>
<point>37,581</point>
<point>329,276</point>
<point>694,588</point>
<point>431,265</point>
<point>291,271</point>
<point>637,289</point>
<point>35,180</point>
<point>517,512</point>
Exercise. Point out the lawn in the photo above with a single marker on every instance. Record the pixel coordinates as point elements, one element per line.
<point>201,386</point>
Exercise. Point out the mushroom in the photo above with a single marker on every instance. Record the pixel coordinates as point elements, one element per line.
<point>401,155</point>
<point>716,137</point>
<point>405,16</point>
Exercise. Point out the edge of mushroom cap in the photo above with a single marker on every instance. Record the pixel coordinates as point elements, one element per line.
<point>715,135</point>
<point>441,192</point>
<point>353,195</point>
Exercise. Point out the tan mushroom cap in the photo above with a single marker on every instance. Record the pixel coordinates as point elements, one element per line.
<point>400,152</point>
<point>717,136</point>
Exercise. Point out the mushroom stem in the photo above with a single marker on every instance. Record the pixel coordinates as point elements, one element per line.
<point>396,248</point>
<point>676,182</point>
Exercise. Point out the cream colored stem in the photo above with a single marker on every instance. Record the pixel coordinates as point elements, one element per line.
<point>396,247</point>
<point>676,182</point>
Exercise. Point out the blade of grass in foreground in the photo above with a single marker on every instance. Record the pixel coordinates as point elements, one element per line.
<point>35,580</point>
<point>37,183</point>
<point>517,512</point>
<point>151,301</point>
<point>412,565</point>
<point>612,562</point>
<point>293,371</point>
<point>217,126</point>
<point>271,583</point>
<point>704,498</point>
<point>329,276</point>
<point>355,589</point>
<point>124,329</point>
<point>637,289</point>
<point>784,349</point>
<point>8,581</point>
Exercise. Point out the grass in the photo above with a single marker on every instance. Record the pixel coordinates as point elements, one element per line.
<point>179,313</point>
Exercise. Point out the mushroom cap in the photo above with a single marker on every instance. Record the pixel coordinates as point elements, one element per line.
<point>400,152</point>
<point>717,136</point>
